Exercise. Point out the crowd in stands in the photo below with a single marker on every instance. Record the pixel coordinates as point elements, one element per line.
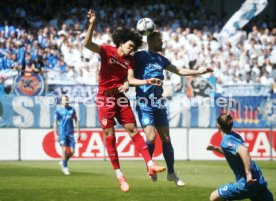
<point>46,37</point>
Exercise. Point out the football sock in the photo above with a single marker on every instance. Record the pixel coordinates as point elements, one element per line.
<point>64,163</point>
<point>150,163</point>
<point>169,156</point>
<point>141,146</point>
<point>112,151</point>
<point>118,173</point>
<point>150,147</point>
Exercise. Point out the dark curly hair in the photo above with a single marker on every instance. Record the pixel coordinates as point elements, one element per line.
<point>122,35</point>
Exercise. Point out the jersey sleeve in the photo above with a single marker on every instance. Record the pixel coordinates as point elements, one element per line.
<point>166,62</point>
<point>231,145</point>
<point>104,49</point>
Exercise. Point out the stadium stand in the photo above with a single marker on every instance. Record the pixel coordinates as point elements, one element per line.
<point>46,37</point>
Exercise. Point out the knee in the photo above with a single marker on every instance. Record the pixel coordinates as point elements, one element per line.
<point>108,132</point>
<point>151,138</point>
<point>132,130</point>
<point>72,151</point>
<point>166,139</point>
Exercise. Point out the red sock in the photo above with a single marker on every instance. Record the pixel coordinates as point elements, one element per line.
<point>141,146</point>
<point>112,151</point>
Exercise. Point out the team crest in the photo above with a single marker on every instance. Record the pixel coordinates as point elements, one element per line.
<point>104,122</point>
<point>29,85</point>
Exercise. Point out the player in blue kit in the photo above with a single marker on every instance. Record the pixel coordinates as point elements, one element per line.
<point>64,131</point>
<point>150,103</point>
<point>250,182</point>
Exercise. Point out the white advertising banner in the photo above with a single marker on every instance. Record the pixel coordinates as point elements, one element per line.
<point>9,145</point>
<point>39,144</point>
<point>198,141</point>
<point>257,141</point>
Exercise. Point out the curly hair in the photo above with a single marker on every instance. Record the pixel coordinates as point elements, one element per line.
<point>122,35</point>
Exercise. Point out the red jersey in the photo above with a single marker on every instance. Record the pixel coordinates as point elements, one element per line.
<point>113,71</point>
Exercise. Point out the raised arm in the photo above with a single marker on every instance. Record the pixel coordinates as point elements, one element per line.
<point>246,159</point>
<point>137,82</point>
<point>94,47</point>
<point>187,72</point>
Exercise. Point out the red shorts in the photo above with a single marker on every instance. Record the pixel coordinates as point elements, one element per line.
<point>110,107</point>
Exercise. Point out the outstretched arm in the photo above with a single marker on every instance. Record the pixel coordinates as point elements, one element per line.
<point>246,159</point>
<point>88,38</point>
<point>137,82</point>
<point>214,148</point>
<point>187,72</point>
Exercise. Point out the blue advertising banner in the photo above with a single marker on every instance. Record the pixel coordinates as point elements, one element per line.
<point>197,112</point>
<point>76,93</point>
<point>251,111</point>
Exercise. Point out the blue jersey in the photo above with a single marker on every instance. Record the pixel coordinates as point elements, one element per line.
<point>64,116</point>
<point>229,145</point>
<point>149,65</point>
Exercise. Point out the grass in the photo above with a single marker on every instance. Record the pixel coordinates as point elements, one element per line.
<point>95,181</point>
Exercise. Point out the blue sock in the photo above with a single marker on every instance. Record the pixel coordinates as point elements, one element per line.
<point>150,148</point>
<point>168,154</point>
<point>64,162</point>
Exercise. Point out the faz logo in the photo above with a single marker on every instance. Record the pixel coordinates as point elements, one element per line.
<point>32,85</point>
<point>91,145</point>
<point>257,141</point>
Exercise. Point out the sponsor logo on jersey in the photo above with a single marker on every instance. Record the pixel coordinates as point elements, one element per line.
<point>113,60</point>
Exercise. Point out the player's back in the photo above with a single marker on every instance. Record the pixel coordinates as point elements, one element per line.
<point>229,145</point>
<point>149,65</point>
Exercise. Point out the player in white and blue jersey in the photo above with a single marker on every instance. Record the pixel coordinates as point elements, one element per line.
<point>250,183</point>
<point>150,103</point>
<point>64,131</point>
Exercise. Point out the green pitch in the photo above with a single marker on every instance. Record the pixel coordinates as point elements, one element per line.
<point>95,181</point>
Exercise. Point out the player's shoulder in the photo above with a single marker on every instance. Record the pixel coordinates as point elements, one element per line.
<point>108,47</point>
<point>129,59</point>
<point>140,53</point>
<point>70,108</point>
<point>232,137</point>
<point>58,110</point>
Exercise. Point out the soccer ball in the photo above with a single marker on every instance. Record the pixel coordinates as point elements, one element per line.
<point>145,26</point>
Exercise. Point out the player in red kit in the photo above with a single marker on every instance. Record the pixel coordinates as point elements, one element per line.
<point>111,101</point>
